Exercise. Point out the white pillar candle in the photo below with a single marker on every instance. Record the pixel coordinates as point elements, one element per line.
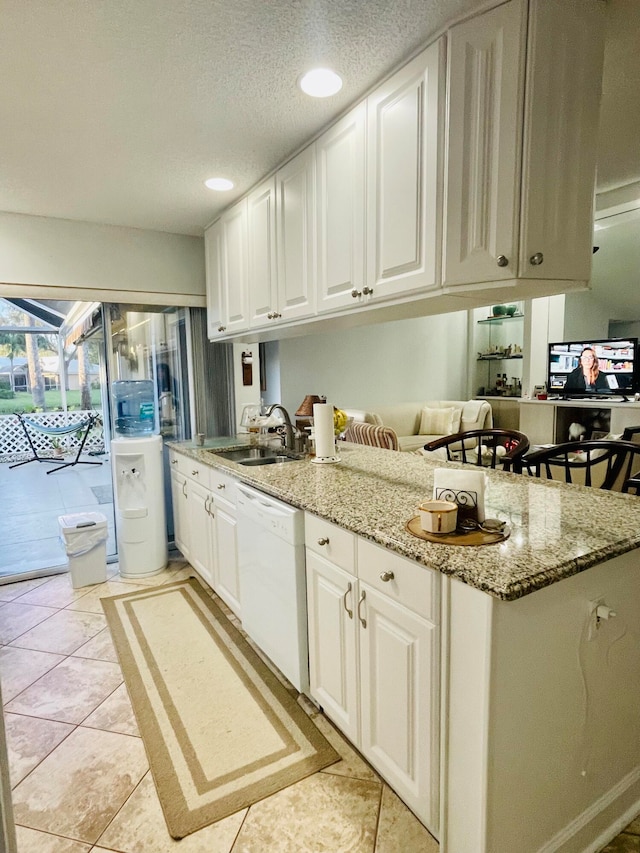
<point>323,430</point>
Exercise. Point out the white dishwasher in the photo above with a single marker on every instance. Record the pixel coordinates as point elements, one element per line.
<point>273,589</point>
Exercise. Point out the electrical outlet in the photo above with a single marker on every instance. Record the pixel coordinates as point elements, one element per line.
<point>593,625</point>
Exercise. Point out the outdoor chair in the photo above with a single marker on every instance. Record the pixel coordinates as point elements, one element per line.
<point>490,448</point>
<point>84,425</point>
<point>600,463</point>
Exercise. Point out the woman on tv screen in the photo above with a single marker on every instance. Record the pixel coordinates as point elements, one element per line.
<point>587,376</point>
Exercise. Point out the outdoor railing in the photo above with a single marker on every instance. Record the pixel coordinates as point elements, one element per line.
<point>14,446</point>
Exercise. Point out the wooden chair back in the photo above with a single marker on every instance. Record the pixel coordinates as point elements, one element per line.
<point>491,448</point>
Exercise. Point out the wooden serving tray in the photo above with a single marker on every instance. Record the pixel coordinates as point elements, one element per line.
<point>473,537</point>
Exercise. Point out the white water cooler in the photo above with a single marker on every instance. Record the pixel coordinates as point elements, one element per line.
<point>137,468</point>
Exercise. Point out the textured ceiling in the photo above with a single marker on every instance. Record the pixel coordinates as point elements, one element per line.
<point>115,111</point>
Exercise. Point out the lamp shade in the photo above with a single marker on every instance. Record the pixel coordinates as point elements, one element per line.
<point>305,409</point>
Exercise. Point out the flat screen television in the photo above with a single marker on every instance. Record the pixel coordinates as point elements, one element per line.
<point>595,368</point>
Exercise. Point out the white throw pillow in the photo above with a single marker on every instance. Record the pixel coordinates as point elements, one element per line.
<point>444,421</point>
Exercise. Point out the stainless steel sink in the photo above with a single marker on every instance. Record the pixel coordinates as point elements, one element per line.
<point>252,456</point>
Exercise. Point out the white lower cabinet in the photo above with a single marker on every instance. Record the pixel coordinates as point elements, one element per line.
<point>374,658</point>
<point>226,579</point>
<point>180,511</point>
<point>204,521</point>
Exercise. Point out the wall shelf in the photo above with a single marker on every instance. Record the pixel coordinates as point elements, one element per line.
<point>498,357</point>
<point>501,318</point>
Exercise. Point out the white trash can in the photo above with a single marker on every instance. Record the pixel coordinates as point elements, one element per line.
<point>84,535</point>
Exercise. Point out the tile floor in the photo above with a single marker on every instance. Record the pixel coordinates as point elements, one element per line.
<point>78,768</point>
<point>31,502</point>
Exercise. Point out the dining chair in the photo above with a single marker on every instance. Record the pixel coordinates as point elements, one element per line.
<point>490,448</point>
<point>373,436</point>
<point>600,463</point>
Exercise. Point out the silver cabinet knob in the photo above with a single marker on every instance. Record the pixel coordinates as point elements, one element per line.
<point>276,315</point>
<point>502,260</point>
<point>323,540</point>
<point>386,576</point>
<point>221,485</point>
<point>222,328</point>
<point>537,259</point>
<point>174,461</point>
<point>356,293</point>
<point>270,315</point>
<point>195,473</point>
<point>368,291</point>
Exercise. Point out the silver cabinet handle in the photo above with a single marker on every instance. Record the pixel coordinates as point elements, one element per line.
<point>195,473</point>
<point>356,293</point>
<point>184,489</point>
<point>323,540</point>
<point>363,622</point>
<point>222,328</point>
<point>368,291</point>
<point>220,486</point>
<point>386,576</point>
<point>207,504</point>
<point>502,261</point>
<point>537,259</point>
<point>344,601</point>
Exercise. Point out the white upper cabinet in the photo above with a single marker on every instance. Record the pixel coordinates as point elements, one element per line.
<point>235,314</point>
<point>213,270</point>
<point>341,201</point>
<point>523,100</point>
<point>227,273</point>
<point>263,289</point>
<point>295,234</point>
<point>403,158</point>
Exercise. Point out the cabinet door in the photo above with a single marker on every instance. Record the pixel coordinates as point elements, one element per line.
<point>485,82</point>
<point>226,577</point>
<point>403,154</point>
<point>263,294</point>
<point>179,497</point>
<point>400,700</point>
<point>234,268</point>
<point>564,80</point>
<point>201,540</point>
<point>213,271</point>
<point>333,671</point>
<point>340,171</point>
<point>295,229</point>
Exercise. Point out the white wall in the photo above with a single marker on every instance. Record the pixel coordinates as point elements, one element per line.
<point>418,359</point>
<point>61,259</point>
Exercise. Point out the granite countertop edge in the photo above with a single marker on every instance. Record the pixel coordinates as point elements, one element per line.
<point>373,493</point>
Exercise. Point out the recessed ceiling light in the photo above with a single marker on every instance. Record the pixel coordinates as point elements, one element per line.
<point>219,184</point>
<point>320,83</point>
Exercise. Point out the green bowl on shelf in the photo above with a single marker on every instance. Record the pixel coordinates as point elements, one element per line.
<point>499,310</point>
<point>511,310</point>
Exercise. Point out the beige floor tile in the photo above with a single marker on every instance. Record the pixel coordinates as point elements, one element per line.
<point>634,827</point>
<point>19,668</point>
<point>29,740</point>
<point>32,841</point>
<point>11,591</point>
<point>69,692</point>
<point>140,827</point>
<point>62,633</point>
<point>55,592</point>
<point>324,814</point>
<point>115,714</point>
<point>352,763</point>
<point>399,831</point>
<point>624,843</point>
<point>90,602</point>
<point>81,785</point>
<point>99,647</point>
<point>16,618</point>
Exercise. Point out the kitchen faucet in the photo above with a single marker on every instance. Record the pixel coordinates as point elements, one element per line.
<point>291,432</point>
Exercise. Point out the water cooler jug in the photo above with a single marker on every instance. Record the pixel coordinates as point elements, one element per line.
<point>138,474</point>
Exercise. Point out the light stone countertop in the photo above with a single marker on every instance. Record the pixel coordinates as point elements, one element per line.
<point>556,530</point>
